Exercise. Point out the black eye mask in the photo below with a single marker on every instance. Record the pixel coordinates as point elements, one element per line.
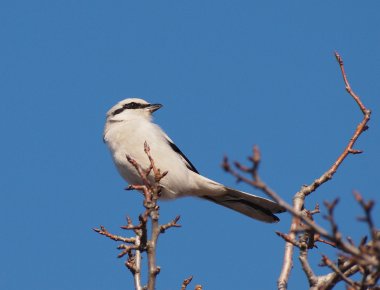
<point>131,105</point>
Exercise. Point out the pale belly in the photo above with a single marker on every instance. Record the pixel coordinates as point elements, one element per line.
<point>179,180</point>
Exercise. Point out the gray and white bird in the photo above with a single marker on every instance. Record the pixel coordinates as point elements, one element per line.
<point>129,124</point>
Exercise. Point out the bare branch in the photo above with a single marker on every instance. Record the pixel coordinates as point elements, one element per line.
<point>312,278</point>
<point>289,239</point>
<point>133,251</point>
<point>299,198</point>
<point>171,224</point>
<point>367,207</point>
<point>134,247</point>
<point>303,219</point>
<point>333,267</point>
<point>103,231</point>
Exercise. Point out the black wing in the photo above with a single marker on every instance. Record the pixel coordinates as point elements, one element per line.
<point>188,163</point>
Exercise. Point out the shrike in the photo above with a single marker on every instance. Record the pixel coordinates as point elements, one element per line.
<point>129,124</point>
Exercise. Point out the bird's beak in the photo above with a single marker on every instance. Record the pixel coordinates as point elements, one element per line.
<point>154,107</point>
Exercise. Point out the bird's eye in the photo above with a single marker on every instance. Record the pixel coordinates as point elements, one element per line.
<point>134,105</point>
<point>131,105</point>
<point>117,111</point>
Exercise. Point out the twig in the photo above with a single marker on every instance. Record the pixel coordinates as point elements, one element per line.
<point>367,207</point>
<point>312,278</point>
<point>103,231</point>
<point>153,269</point>
<point>318,239</point>
<point>256,180</point>
<point>297,208</point>
<point>133,262</point>
<point>299,198</point>
<point>156,171</point>
<point>136,268</point>
<point>186,282</point>
<point>155,188</point>
<point>134,247</point>
<point>328,281</point>
<point>333,267</point>
<point>171,224</point>
<point>289,239</point>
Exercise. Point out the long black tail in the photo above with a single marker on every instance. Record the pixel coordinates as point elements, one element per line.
<point>250,205</point>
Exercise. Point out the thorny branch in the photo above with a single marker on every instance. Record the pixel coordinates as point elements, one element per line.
<point>364,258</point>
<point>143,241</point>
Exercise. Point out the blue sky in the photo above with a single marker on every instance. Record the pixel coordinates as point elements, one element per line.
<point>230,74</point>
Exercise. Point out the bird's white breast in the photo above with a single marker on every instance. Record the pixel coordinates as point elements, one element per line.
<point>128,137</point>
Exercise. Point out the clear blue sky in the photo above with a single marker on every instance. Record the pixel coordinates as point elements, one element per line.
<point>230,74</point>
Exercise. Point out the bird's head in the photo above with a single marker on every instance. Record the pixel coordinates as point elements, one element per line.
<point>130,109</point>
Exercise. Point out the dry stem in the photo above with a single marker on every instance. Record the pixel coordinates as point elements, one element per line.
<point>303,221</point>
<point>299,198</point>
<point>135,246</point>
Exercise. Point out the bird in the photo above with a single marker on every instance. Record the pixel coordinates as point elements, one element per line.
<point>129,124</point>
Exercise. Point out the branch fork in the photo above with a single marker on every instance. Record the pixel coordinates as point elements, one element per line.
<point>144,240</point>
<point>304,232</point>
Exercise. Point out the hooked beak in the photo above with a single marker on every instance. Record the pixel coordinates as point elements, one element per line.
<point>154,107</point>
